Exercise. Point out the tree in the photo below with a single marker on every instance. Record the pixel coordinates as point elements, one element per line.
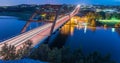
<point>9,52</point>
<point>93,17</point>
<point>65,55</point>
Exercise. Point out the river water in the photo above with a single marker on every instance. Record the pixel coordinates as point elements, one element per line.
<point>104,40</point>
<point>89,39</point>
<point>11,26</point>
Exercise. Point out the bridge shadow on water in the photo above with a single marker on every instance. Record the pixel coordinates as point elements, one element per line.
<point>59,41</point>
<point>59,38</point>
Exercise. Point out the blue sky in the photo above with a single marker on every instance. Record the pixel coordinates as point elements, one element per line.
<point>15,2</point>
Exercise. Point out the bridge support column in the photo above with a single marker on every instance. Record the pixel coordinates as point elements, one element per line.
<point>54,22</point>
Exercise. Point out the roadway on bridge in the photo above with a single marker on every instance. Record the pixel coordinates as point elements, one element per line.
<point>38,34</point>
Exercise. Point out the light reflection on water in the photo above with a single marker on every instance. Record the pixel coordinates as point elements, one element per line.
<point>113,29</point>
<point>101,39</point>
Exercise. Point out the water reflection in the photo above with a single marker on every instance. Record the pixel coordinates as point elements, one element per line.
<point>113,29</point>
<point>118,31</point>
<point>90,38</point>
<point>70,27</point>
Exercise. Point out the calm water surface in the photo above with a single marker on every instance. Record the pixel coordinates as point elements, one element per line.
<point>12,26</point>
<point>103,40</point>
<point>90,39</point>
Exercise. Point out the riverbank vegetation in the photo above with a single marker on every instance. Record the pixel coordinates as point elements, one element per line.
<point>102,18</point>
<point>52,55</point>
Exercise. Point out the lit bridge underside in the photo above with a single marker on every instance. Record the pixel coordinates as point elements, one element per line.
<point>38,34</point>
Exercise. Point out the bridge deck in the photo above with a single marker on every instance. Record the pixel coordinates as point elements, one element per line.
<point>38,34</point>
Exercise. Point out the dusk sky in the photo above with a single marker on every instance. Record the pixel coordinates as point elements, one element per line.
<point>16,2</point>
